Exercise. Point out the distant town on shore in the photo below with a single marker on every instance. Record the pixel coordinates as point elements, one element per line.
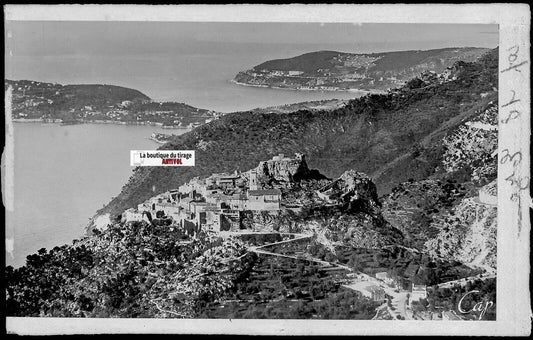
<point>340,71</point>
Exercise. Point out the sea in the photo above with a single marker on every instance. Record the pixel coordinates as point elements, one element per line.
<point>197,74</point>
<point>64,174</point>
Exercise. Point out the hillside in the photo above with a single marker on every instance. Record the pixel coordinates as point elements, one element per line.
<point>331,70</point>
<point>309,62</point>
<point>37,101</point>
<point>34,97</point>
<point>275,263</point>
<point>316,105</point>
<point>158,269</point>
<point>450,214</point>
<point>394,136</point>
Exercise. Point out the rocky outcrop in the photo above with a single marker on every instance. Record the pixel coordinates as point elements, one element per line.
<point>342,211</point>
<point>346,211</point>
<point>355,190</point>
<point>358,185</point>
<point>281,169</point>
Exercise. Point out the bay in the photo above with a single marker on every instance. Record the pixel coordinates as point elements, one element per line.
<point>194,74</point>
<point>63,175</point>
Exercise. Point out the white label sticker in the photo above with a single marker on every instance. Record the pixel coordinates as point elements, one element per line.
<point>162,158</point>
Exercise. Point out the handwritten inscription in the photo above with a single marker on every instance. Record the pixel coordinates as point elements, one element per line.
<point>511,112</point>
<point>514,60</point>
<point>507,156</point>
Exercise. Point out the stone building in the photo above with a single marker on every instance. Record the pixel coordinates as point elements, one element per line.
<point>217,202</point>
<point>253,184</point>
<point>417,292</point>
<point>222,201</point>
<point>268,199</point>
<point>132,215</point>
<point>376,293</point>
<point>227,180</point>
<point>385,277</point>
<point>171,209</point>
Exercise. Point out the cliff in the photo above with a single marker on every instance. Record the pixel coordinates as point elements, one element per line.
<point>282,171</point>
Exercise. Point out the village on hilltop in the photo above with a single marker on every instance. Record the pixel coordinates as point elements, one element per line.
<point>215,204</point>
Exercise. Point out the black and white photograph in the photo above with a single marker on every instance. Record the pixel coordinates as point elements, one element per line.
<point>249,170</point>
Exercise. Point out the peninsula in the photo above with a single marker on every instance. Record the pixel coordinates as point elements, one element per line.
<point>340,71</point>
<point>34,101</point>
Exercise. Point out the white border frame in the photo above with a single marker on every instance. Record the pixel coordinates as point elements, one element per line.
<point>513,296</point>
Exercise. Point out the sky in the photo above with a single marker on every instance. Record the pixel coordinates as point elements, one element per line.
<point>193,62</point>
<point>50,38</point>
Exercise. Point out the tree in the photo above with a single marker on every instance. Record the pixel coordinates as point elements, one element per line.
<point>414,83</point>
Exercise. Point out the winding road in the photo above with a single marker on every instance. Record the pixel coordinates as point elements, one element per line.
<point>399,301</point>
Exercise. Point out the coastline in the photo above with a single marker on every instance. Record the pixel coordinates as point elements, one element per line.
<point>309,89</point>
<point>60,122</point>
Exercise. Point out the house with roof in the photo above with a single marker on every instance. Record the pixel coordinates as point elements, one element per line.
<point>385,277</point>
<point>264,199</point>
<point>145,206</point>
<point>132,215</point>
<point>194,187</point>
<point>418,292</point>
<point>376,293</point>
<point>224,180</point>
<point>236,201</point>
<point>171,209</point>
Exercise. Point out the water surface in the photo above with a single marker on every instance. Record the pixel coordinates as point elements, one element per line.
<point>63,175</point>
